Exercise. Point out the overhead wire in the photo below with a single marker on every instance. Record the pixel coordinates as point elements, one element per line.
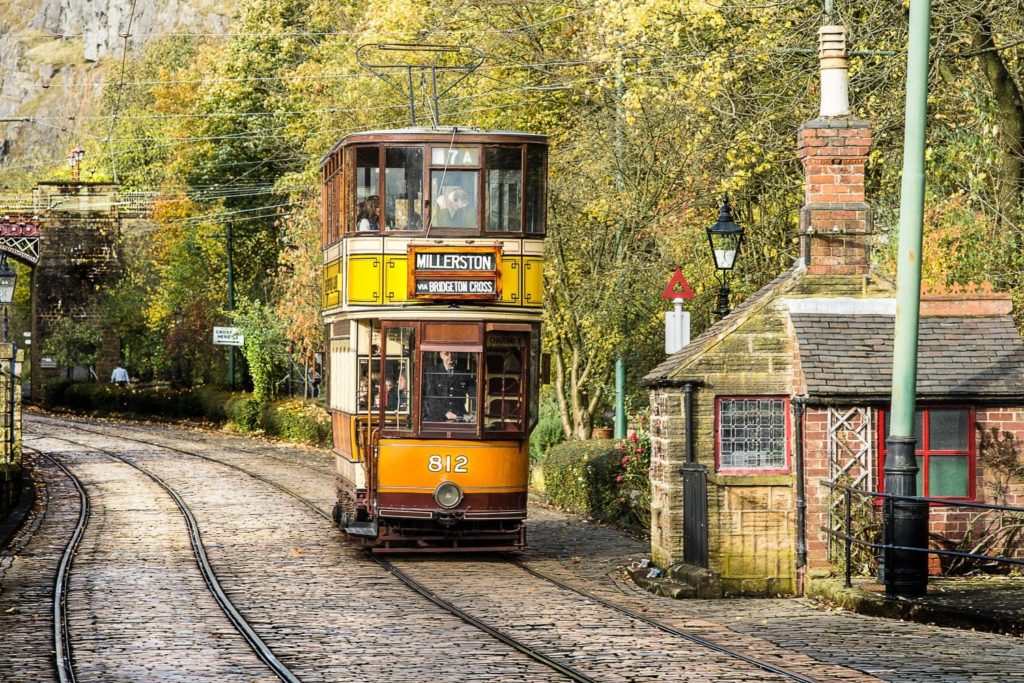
<point>120,87</point>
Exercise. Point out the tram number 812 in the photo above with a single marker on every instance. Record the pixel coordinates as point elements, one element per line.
<point>437,463</point>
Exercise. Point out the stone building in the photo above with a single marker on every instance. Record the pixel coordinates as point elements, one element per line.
<point>792,388</point>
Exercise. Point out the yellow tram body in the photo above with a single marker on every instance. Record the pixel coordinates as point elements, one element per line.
<point>432,300</point>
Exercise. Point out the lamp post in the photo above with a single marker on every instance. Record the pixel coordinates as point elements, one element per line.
<point>75,157</point>
<point>725,238</point>
<point>8,278</point>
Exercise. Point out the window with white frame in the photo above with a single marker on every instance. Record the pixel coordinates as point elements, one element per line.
<point>751,433</point>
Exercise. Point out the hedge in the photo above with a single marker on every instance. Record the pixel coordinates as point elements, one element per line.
<point>292,419</point>
<point>579,476</point>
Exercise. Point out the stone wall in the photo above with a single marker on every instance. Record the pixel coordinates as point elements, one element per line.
<point>750,517</point>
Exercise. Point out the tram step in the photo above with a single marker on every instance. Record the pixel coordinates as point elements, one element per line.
<point>368,529</point>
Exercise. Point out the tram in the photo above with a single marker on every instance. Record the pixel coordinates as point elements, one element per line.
<point>433,245</point>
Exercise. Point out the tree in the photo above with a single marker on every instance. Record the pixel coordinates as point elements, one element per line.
<point>73,343</point>
<point>263,346</point>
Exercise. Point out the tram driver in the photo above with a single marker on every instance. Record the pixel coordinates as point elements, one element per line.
<point>451,391</point>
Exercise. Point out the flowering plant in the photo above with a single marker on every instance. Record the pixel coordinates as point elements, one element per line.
<point>633,479</point>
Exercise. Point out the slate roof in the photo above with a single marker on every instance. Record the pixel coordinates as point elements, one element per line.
<point>851,355</point>
<point>668,371</point>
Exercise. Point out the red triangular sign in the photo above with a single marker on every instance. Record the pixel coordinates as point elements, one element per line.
<point>677,287</point>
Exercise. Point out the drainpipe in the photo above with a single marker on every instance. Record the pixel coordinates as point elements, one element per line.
<point>801,495</point>
<point>691,456</point>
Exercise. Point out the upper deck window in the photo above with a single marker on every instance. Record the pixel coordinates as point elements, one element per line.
<point>504,189</point>
<point>367,207</point>
<point>536,171</point>
<point>454,198</point>
<point>495,187</point>
<point>403,188</point>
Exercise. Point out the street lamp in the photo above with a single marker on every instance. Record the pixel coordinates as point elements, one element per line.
<point>7,280</point>
<point>725,238</point>
<point>75,157</point>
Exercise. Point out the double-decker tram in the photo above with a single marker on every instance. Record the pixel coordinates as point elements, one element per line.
<point>433,259</point>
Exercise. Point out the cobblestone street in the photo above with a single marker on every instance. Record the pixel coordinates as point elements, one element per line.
<point>140,608</point>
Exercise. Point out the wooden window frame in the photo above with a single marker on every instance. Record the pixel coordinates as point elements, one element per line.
<point>882,415</point>
<point>746,471</point>
<point>472,431</point>
<point>524,389</point>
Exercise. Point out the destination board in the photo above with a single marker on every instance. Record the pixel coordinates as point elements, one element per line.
<point>450,261</point>
<point>450,272</point>
<point>427,287</point>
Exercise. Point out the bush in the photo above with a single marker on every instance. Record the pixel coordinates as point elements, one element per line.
<point>548,431</point>
<point>580,476</point>
<point>244,412</point>
<point>293,420</point>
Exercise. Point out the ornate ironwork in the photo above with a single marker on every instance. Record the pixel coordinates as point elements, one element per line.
<point>851,456</point>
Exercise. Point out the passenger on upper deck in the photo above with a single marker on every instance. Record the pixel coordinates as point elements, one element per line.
<point>451,209</point>
<point>369,215</point>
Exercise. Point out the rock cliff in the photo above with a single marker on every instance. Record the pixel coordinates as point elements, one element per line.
<point>57,55</point>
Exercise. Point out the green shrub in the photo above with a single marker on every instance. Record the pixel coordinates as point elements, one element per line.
<point>244,412</point>
<point>53,392</point>
<point>548,431</point>
<point>300,421</point>
<point>292,420</point>
<point>580,476</point>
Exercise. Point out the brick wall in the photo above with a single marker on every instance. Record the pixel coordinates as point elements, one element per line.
<point>835,222</point>
<point>992,485</point>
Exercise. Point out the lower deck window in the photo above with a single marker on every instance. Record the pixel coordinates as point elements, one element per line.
<point>450,383</point>
<point>503,391</point>
<point>751,433</point>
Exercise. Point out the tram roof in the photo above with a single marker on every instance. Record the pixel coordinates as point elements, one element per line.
<point>428,133</point>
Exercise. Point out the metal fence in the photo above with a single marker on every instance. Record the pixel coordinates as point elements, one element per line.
<point>990,536</point>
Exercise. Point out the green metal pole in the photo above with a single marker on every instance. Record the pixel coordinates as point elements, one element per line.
<point>620,398</point>
<point>231,304</point>
<point>906,573</point>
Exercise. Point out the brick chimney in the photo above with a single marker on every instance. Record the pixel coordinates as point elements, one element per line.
<point>835,222</point>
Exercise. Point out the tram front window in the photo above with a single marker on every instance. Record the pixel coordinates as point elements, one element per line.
<point>450,385</point>
<point>454,200</point>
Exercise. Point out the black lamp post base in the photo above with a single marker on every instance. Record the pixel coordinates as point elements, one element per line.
<point>906,522</point>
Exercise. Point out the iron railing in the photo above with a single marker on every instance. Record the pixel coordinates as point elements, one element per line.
<point>885,503</point>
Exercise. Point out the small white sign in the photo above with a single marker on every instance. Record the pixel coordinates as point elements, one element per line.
<point>47,362</point>
<point>228,336</point>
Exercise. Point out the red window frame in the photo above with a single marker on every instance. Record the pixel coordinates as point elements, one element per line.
<point>927,453</point>
<point>752,470</point>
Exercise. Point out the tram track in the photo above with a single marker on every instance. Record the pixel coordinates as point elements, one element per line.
<point>62,632</point>
<point>433,597</point>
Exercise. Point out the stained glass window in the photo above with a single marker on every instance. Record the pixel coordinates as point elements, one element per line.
<point>752,433</point>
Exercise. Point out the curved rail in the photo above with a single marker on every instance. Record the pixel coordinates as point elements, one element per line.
<point>61,632</point>
<point>422,590</point>
<point>671,630</point>
<point>209,576</point>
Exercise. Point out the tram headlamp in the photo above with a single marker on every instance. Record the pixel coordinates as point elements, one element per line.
<point>448,495</point>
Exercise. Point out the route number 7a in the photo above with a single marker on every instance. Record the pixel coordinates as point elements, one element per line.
<point>459,464</point>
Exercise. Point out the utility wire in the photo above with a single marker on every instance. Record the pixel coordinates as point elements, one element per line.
<point>120,90</point>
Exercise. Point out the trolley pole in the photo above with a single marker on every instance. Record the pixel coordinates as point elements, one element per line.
<point>906,572</point>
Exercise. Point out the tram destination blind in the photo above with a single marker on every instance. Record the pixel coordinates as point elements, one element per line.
<point>445,287</point>
<point>446,273</point>
<point>455,262</point>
